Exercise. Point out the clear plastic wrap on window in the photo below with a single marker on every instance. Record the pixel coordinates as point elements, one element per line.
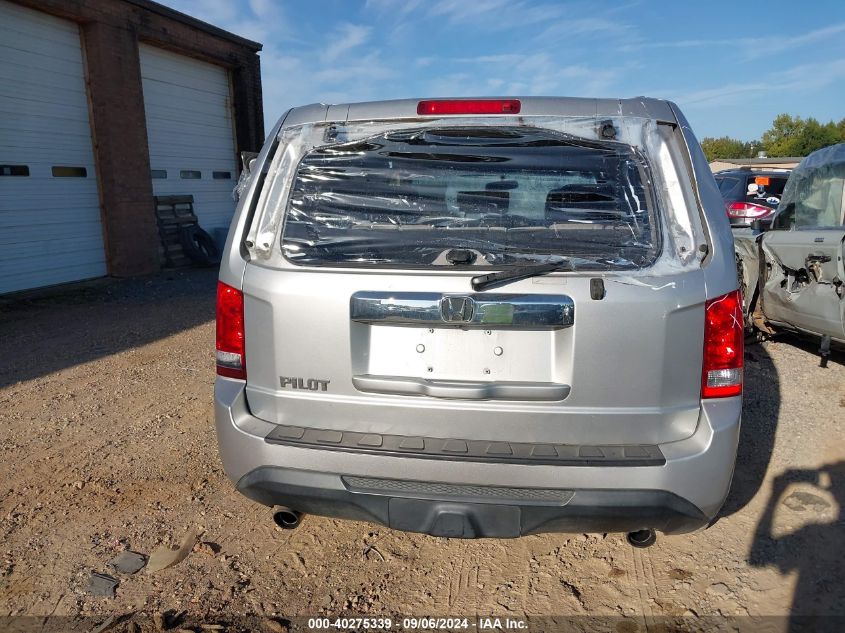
<point>509,189</point>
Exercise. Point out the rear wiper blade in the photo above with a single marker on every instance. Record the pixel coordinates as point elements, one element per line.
<point>480,282</point>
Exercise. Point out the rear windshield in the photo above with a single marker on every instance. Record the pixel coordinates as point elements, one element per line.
<point>726,184</point>
<point>765,190</point>
<point>500,195</point>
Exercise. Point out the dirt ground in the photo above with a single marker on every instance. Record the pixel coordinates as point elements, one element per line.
<point>107,443</point>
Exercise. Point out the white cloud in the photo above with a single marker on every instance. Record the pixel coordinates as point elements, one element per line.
<point>494,16</point>
<point>264,8</point>
<point>531,75</point>
<point>215,12</point>
<point>343,39</point>
<point>765,47</point>
<point>803,78</point>
<point>395,8</point>
<point>746,48</point>
<point>806,77</point>
<point>633,47</point>
<point>259,20</point>
<point>290,80</point>
<point>721,95</point>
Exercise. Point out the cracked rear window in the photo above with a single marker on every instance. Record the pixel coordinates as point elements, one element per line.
<point>506,195</point>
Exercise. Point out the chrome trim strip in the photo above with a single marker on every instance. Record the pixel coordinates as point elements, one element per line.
<point>461,389</point>
<point>472,310</point>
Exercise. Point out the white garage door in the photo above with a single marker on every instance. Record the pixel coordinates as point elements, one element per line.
<point>189,127</point>
<point>50,229</point>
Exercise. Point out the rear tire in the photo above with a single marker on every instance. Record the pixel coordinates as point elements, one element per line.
<point>199,246</point>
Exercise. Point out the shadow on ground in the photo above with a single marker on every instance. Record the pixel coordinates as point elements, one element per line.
<point>817,604</point>
<point>760,414</point>
<point>760,411</point>
<point>104,318</point>
<point>811,345</point>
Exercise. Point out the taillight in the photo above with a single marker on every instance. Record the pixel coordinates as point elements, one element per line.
<point>724,334</point>
<point>469,106</point>
<point>748,210</point>
<point>231,358</point>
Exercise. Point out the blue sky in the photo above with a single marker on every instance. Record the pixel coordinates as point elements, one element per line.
<point>732,66</point>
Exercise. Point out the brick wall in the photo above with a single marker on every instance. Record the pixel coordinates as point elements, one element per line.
<point>111,30</point>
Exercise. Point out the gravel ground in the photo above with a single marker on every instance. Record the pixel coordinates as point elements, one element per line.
<point>107,444</point>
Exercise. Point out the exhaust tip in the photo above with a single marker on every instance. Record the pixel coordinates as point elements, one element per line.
<point>286,518</point>
<point>642,538</point>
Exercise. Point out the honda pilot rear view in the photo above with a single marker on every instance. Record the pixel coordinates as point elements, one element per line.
<point>482,318</point>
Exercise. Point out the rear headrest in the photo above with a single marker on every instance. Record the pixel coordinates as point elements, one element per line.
<point>582,193</point>
<point>598,197</point>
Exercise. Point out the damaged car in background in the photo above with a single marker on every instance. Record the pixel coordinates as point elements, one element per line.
<point>791,273</point>
<point>751,194</point>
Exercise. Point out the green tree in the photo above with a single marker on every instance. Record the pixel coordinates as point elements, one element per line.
<point>781,139</point>
<point>794,136</point>
<point>815,136</point>
<point>788,136</point>
<point>725,147</point>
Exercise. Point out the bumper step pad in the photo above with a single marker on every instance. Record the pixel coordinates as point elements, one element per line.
<point>468,450</point>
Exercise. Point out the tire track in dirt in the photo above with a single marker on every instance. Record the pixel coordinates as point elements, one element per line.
<point>463,586</point>
<point>644,581</point>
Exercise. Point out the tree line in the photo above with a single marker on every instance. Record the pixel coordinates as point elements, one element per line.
<point>788,136</point>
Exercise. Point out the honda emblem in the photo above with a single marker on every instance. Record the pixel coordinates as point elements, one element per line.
<point>457,309</point>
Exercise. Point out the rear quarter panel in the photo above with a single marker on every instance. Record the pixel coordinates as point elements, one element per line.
<point>720,265</point>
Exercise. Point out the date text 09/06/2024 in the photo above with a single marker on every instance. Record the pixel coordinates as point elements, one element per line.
<point>419,623</point>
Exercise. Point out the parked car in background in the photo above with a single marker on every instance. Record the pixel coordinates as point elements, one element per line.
<point>801,282</point>
<point>482,318</point>
<point>751,194</point>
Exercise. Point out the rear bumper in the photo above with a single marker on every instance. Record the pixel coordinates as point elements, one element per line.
<point>468,511</point>
<point>476,499</point>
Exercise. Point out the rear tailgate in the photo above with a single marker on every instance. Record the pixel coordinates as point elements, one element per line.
<point>632,361</point>
<point>357,316</point>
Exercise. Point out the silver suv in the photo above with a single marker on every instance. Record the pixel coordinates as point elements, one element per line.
<point>482,318</point>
